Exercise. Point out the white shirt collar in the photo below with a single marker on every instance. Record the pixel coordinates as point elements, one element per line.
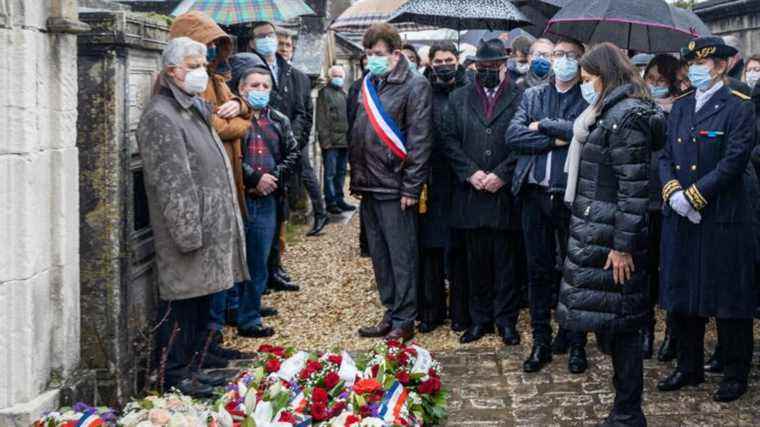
<point>703,97</point>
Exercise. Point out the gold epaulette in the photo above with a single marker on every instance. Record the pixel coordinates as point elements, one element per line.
<point>740,95</point>
<point>683,95</point>
<point>695,198</point>
<point>669,188</point>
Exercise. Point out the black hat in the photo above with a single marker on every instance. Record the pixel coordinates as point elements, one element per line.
<point>707,47</point>
<point>242,64</point>
<point>490,50</point>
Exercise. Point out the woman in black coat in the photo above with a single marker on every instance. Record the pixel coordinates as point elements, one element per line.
<point>604,287</point>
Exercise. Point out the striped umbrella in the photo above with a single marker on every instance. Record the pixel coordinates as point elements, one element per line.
<point>364,13</point>
<point>229,12</point>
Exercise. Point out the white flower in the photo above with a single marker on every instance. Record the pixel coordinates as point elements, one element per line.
<point>372,422</point>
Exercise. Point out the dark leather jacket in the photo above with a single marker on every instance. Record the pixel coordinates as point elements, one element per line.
<point>406,97</point>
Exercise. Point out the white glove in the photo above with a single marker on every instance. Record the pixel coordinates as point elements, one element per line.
<point>679,203</point>
<point>694,216</point>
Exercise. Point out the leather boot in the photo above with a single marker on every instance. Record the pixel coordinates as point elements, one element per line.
<point>668,349</point>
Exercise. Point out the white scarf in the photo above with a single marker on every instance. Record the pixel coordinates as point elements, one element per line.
<point>573,162</point>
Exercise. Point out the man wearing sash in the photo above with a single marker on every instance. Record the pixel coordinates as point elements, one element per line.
<point>389,152</point>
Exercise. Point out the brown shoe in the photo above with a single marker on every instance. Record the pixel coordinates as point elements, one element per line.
<point>376,331</point>
<point>400,334</point>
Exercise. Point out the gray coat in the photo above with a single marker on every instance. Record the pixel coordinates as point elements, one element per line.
<point>198,230</point>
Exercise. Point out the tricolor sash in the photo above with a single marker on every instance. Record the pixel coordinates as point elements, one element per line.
<point>383,124</point>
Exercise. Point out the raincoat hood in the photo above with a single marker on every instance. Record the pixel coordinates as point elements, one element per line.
<point>201,28</point>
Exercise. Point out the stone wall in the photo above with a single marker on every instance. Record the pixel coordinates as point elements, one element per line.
<point>39,205</point>
<point>740,18</point>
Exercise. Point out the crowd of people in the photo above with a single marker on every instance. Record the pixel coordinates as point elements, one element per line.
<point>544,174</point>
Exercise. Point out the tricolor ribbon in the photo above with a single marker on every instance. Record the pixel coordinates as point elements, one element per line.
<point>383,124</point>
<point>90,419</point>
<point>393,403</point>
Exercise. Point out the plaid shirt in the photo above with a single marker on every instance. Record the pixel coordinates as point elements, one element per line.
<point>261,139</point>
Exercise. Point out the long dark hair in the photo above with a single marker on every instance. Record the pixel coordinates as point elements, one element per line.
<point>615,69</point>
<point>667,67</point>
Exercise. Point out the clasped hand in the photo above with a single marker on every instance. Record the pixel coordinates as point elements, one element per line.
<point>482,181</point>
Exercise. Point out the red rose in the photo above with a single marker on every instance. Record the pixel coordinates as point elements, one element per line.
<point>403,358</point>
<point>367,386</point>
<point>304,374</point>
<point>265,348</point>
<point>319,395</point>
<point>430,386</point>
<point>331,380</point>
<point>319,412</point>
<point>313,366</point>
<point>351,420</point>
<point>393,343</point>
<point>272,365</point>
<point>334,358</point>
<point>365,411</point>
<point>337,409</point>
<point>374,370</point>
<point>278,351</point>
<point>403,377</point>
<point>433,373</point>
<point>287,417</point>
<point>410,351</point>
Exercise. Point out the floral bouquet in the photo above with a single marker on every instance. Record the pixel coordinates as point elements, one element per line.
<point>172,409</point>
<point>78,415</point>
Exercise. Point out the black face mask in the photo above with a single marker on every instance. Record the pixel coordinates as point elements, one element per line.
<point>488,78</point>
<point>445,73</point>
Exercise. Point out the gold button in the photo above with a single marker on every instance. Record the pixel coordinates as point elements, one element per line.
<point>678,167</point>
<point>693,167</point>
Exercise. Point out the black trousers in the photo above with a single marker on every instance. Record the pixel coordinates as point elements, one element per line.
<point>274,262</point>
<point>392,239</point>
<point>545,222</point>
<point>459,287</point>
<point>493,293</point>
<point>655,232</point>
<point>735,345</point>
<point>311,183</point>
<point>628,376</point>
<point>182,336</point>
<point>431,287</point>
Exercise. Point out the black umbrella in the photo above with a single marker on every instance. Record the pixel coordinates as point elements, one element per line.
<point>640,25</point>
<point>462,15</point>
<point>689,21</point>
<point>474,36</point>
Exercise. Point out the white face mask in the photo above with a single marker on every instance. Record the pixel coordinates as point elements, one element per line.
<point>196,80</point>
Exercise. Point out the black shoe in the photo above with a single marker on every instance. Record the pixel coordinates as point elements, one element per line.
<point>757,313</point>
<point>539,357</point>
<point>714,365</point>
<point>268,312</point>
<point>281,274</point>
<point>381,329</point>
<point>678,380</point>
<point>335,210</point>
<point>195,389</point>
<point>475,333</point>
<point>231,316</point>
<point>215,347</point>
<point>728,391</point>
<point>576,362</point>
<point>345,207</point>
<point>560,343</point>
<point>212,361</point>
<point>213,380</point>
<point>668,349</point>
<point>459,327</point>
<point>427,327</point>
<point>277,284</point>
<point>259,332</point>
<point>320,221</point>
<point>509,335</point>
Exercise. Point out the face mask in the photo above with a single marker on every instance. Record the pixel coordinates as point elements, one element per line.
<point>258,98</point>
<point>752,78</point>
<point>589,93</point>
<point>659,92</point>
<point>266,46</point>
<point>489,78</point>
<point>700,77</point>
<point>196,80</point>
<point>565,69</point>
<point>540,66</point>
<point>211,54</point>
<point>379,66</point>
<point>446,72</point>
<point>337,82</point>
<point>522,67</point>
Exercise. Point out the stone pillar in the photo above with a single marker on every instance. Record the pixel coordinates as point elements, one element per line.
<point>39,206</point>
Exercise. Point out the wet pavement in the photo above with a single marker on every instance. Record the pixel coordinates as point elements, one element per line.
<point>488,388</point>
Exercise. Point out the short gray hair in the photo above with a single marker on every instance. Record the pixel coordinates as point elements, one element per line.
<point>335,68</point>
<point>180,48</point>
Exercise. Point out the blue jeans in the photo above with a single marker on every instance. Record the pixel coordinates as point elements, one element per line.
<point>335,160</point>
<point>220,303</point>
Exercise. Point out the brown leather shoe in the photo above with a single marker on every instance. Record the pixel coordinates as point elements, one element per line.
<point>400,334</point>
<point>376,331</point>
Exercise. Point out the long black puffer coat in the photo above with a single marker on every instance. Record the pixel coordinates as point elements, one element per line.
<point>610,213</point>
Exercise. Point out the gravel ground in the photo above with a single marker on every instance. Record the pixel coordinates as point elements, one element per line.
<point>338,296</point>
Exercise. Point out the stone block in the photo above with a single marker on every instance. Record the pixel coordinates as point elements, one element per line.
<point>23,414</point>
<point>29,13</point>
<point>18,111</point>
<point>64,284</point>
<point>64,183</point>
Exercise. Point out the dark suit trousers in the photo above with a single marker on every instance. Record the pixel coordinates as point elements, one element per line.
<point>734,335</point>
<point>431,287</point>
<point>491,266</point>
<point>628,377</point>
<point>187,320</point>
<point>459,288</point>
<point>392,239</point>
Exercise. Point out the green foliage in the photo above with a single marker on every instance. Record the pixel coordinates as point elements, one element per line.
<point>684,4</point>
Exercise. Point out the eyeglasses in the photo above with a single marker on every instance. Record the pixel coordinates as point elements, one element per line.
<point>545,55</point>
<point>262,35</point>
<point>557,54</point>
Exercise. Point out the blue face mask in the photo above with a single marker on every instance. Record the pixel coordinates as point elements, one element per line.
<point>211,53</point>
<point>565,69</point>
<point>540,66</point>
<point>379,66</point>
<point>589,93</point>
<point>266,46</point>
<point>337,82</point>
<point>700,77</point>
<point>659,92</point>
<point>258,98</point>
